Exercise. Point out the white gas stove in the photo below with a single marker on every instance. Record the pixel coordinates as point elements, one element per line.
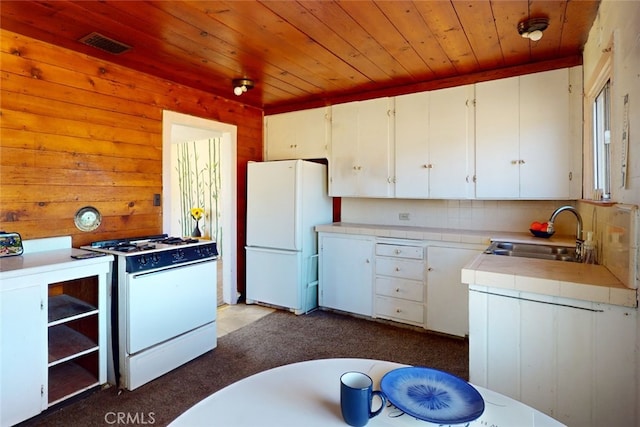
<point>163,305</point>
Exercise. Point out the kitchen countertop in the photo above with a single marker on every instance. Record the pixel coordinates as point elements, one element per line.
<point>594,283</point>
<point>585,282</point>
<point>45,262</point>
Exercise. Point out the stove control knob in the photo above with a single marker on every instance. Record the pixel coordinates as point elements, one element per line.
<point>178,255</point>
<point>142,260</point>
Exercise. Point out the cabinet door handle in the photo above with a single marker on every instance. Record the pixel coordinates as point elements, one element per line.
<point>430,269</point>
<point>398,251</point>
<point>397,268</point>
<point>398,310</point>
<point>367,261</point>
<point>397,289</point>
<point>514,162</point>
<point>521,161</point>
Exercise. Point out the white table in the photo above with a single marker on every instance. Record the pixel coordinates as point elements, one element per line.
<point>308,394</point>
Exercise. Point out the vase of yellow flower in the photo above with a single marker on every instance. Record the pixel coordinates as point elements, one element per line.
<point>196,213</point>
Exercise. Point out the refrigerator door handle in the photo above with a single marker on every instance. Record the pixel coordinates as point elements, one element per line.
<point>270,250</point>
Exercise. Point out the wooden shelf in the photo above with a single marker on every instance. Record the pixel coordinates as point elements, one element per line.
<point>68,379</point>
<point>605,203</point>
<point>66,343</point>
<point>65,307</point>
<point>72,340</point>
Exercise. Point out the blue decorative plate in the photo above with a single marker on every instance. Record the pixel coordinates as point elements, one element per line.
<point>432,395</point>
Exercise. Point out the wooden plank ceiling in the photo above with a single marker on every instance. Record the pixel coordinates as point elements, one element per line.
<point>310,53</point>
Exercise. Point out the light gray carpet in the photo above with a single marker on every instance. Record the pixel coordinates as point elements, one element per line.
<point>277,339</point>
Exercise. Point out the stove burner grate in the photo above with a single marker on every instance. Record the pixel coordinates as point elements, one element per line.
<point>176,241</point>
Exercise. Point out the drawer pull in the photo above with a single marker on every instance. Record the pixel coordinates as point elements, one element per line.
<point>397,289</point>
<point>397,268</point>
<point>398,310</point>
<point>398,251</point>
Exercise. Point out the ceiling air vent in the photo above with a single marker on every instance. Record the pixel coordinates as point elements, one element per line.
<point>101,42</point>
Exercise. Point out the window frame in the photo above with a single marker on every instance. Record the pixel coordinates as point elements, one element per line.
<point>602,75</point>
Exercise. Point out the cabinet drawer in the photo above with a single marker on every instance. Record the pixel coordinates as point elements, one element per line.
<point>400,251</point>
<point>397,309</point>
<point>400,288</point>
<point>405,269</point>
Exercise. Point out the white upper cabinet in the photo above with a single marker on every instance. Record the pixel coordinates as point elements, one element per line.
<point>361,159</point>
<point>525,139</point>
<point>412,145</point>
<point>434,144</point>
<point>545,135</point>
<point>497,139</point>
<point>303,134</point>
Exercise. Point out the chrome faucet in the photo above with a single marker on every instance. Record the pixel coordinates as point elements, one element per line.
<point>579,239</point>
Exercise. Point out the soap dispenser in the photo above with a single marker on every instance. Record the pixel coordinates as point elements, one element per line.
<point>589,249</point>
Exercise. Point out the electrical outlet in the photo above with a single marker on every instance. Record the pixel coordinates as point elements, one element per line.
<point>404,216</point>
<point>156,200</point>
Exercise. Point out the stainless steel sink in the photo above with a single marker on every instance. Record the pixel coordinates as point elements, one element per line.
<point>526,250</point>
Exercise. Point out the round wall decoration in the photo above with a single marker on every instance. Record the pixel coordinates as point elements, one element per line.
<point>87,218</point>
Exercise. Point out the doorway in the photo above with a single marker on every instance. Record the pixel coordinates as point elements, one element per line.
<point>178,128</point>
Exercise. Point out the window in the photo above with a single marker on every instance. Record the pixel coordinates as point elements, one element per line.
<point>601,141</point>
<point>597,156</point>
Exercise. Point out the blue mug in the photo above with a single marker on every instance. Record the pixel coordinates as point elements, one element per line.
<point>356,395</point>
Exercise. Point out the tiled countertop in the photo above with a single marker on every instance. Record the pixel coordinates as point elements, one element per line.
<point>555,278</point>
<point>593,283</point>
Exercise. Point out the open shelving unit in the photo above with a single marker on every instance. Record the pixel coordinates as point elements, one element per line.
<point>73,329</point>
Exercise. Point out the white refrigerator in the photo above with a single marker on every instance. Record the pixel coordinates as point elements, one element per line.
<point>285,201</point>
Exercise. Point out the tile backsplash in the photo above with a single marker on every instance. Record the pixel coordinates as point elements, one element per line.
<point>499,215</point>
<point>616,233</point>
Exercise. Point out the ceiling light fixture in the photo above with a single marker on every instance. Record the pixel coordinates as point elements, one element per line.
<point>532,28</point>
<point>240,86</point>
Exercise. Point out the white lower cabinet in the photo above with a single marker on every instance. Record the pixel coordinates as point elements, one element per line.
<point>447,296</point>
<point>23,363</point>
<point>399,283</point>
<point>346,273</point>
<point>52,331</point>
<point>416,282</point>
<point>572,360</point>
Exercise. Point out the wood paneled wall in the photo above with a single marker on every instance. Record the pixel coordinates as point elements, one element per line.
<point>78,131</point>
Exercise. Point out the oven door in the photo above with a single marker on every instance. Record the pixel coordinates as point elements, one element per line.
<point>164,304</point>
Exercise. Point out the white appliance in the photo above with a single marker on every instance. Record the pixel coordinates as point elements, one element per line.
<point>285,201</point>
<point>162,306</point>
